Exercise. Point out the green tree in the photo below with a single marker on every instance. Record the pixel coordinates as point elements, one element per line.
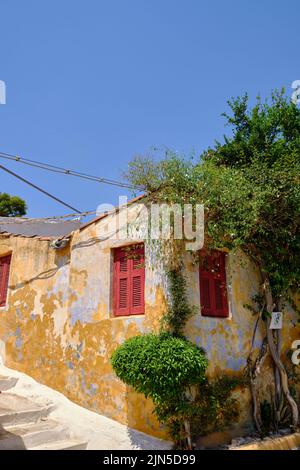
<point>12,206</point>
<point>163,367</point>
<point>249,185</point>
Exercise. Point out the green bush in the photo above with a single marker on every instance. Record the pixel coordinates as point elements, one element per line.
<point>214,407</point>
<point>161,367</point>
<point>171,370</point>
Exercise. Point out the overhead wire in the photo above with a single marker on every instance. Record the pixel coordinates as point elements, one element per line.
<point>75,215</point>
<point>38,188</point>
<point>57,169</point>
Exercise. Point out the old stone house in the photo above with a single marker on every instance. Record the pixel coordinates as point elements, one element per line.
<point>67,301</point>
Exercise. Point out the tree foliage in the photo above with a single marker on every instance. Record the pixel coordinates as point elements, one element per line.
<point>159,366</point>
<point>12,206</point>
<point>249,185</point>
<point>162,367</point>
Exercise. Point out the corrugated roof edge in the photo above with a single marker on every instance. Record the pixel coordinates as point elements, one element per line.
<point>93,221</point>
<point>9,234</point>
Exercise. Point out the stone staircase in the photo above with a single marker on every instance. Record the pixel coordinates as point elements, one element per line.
<point>26,425</point>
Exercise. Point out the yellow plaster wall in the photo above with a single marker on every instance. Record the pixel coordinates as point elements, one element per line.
<point>58,325</point>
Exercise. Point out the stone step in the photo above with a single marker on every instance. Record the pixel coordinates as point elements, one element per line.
<point>16,410</point>
<point>68,444</point>
<point>7,383</point>
<point>23,437</point>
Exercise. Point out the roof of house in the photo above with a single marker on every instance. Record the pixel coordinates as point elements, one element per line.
<point>47,228</point>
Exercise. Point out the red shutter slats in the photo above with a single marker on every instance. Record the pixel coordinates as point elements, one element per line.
<point>129,280</point>
<point>123,293</point>
<point>136,292</point>
<point>218,294</point>
<point>121,284</point>
<point>205,295</point>
<point>123,264</point>
<point>4,275</point>
<point>213,291</point>
<point>138,281</point>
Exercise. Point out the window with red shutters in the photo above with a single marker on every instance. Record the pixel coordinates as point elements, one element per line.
<point>4,275</point>
<point>213,289</point>
<point>129,280</point>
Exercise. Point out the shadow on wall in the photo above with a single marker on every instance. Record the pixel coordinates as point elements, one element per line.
<point>60,260</point>
<point>141,418</point>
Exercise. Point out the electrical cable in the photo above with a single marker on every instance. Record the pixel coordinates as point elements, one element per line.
<point>54,217</point>
<point>39,189</point>
<point>57,169</point>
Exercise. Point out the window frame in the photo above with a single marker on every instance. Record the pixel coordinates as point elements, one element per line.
<point>131,274</point>
<point>4,282</point>
<point>216,285</point>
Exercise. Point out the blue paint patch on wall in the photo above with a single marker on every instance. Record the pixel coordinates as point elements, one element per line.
<point>83,382</point>
<point>236,363</point>
<point>198,340</point>
<point>208,343</point>
<point>82,312</point>
<point>197,321</point>
<point>18,331</point>
<point>19,340</point>
<point>18,312</point>
<point>19,343</point>
<point>92,390</point>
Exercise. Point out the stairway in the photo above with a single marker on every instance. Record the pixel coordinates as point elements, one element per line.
<point>25,425</point>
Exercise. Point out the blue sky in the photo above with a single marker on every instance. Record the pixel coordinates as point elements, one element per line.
<point>92,83</point>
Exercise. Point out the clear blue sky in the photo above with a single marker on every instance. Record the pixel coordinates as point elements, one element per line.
<point>92,83</point>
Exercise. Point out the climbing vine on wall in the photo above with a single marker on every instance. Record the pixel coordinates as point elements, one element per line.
<point>170,370</point>
<point>250,188</point>
<point>179,310</point>
<point>208,406</point>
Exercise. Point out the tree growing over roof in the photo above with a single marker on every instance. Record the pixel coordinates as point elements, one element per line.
<point>249,185</point>
<point>12,206</point>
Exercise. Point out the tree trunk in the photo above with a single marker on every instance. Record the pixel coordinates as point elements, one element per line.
<point>278,390</point>
<point>187,428</point>
<point>255,399</point>
<point>275,354</point>
<point>254,368</point>
<point>254,371</point>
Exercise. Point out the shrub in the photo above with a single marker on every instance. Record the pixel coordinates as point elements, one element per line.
<point>161,367</point>
<point>214,408</point>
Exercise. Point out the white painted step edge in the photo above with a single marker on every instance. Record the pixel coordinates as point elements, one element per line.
<point>61,445</point>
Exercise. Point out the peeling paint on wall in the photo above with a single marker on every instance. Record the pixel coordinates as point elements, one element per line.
<point>58,325</point>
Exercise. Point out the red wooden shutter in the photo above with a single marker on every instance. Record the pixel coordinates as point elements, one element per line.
<point>137,281</point>
<point>129,281</point>
<point>121,283</point>
<point>4,275</point>
<point>213,291</point>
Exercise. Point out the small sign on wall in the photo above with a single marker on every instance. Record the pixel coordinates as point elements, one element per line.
<point>276,322</point>
<point>296,353</point>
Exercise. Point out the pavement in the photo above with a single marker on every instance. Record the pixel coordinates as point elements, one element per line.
<point>97,431</point>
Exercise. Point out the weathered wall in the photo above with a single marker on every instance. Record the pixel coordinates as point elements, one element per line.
<point>58,325</point>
